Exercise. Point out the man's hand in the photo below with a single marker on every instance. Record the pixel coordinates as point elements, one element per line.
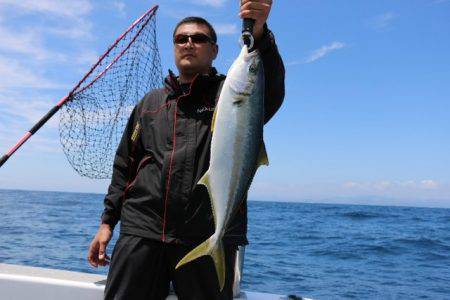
<point>259,11</point>
<point>97,250</point>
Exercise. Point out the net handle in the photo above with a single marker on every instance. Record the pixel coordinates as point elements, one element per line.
<point>63,100</point>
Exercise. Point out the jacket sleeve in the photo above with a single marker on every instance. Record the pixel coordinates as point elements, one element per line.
<point>273,73</point>
<point>122,169</point>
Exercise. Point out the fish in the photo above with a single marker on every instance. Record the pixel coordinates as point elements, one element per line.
<point>237,150</point>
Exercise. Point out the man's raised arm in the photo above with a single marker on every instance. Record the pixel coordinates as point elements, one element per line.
<point>259,10</point>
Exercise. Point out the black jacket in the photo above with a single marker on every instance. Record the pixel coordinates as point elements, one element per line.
<point>164,152</point>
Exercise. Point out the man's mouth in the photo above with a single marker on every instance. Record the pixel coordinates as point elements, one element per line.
<point>188,55</point>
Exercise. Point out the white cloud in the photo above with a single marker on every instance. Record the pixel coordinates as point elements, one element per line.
<point>214,3</point>
<point>382,21</point>
<point>226,29</point>
<point>177,12</point>
<point>383,185</point>
<point>26,109</point>
<point>387,185</point>
<point>426,192</point>
<point>15,74</point>
<point>71,9</point>
<point>26,52</point>
<point>41,142</point>
<point>22,42</point>
<point>29,42</point>
<point>429,184</point>
<point>45,144</point>
<point>73,13</point>
<point>120,7</point>
<point>18,112</point>
<point>350,185</point>
<point>321,52</point>
<point>87,58</point>
<point>78,29</point>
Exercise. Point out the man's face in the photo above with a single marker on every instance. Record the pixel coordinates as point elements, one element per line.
<point>192,57</point>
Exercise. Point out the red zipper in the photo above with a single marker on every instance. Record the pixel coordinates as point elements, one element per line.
<point>163,238</point>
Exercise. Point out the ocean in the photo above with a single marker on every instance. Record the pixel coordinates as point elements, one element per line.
<point>321,251</point>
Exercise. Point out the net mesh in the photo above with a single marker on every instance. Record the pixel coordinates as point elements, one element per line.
<point>93,119</point>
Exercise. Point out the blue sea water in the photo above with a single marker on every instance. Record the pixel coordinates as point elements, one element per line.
<point>316,250</point>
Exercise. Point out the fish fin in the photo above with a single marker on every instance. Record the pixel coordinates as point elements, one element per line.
<point>262,157</point>
<point>199,251</point>
<point>213,121</point>
<point>215,250</point>
<point>205,181</point>
<point>218,256</point>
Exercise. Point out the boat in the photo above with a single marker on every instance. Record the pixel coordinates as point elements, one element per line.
<point>18,282</point>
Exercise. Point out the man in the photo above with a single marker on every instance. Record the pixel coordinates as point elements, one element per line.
<point>164,151</point>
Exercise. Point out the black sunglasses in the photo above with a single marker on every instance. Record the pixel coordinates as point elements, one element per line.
<point>198,38</point>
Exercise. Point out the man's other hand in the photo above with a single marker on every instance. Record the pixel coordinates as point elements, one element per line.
<point>259,11</point>
<point>97,250</point>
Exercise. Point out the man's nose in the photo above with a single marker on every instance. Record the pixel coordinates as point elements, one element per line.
<point>189,43</point>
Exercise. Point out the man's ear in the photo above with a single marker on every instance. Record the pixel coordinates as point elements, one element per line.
<point>216,51</point>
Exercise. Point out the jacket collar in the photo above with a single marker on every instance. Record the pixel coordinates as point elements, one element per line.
<point>173,86</point>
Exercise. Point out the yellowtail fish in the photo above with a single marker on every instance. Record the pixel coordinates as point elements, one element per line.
<point>237,149</point>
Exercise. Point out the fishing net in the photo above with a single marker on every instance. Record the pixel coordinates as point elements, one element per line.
<point>93,119</point>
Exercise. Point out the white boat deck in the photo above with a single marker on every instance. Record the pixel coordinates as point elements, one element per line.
<point>24,283</point>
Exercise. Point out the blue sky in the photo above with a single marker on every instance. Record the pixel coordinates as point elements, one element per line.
<point>366,118</point>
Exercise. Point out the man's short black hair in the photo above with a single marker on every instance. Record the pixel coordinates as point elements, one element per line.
<point>198,20</point>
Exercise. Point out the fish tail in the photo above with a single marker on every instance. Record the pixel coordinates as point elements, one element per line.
<point>217,253</point>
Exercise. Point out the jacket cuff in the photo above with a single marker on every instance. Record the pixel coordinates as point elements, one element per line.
<point>267,40</point>
<point>108,219</point>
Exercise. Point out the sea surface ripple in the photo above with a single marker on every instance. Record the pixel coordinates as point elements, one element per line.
<point>321,251</point>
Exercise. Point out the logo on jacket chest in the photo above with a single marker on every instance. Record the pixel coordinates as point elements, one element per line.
<point>203,109</point>
<point>206,105</point>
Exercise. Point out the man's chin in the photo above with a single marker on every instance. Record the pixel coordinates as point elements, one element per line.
<point>188,69</point>
<point>187,63</point>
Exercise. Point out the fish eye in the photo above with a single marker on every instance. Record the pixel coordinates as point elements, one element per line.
<point>252,68</point>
